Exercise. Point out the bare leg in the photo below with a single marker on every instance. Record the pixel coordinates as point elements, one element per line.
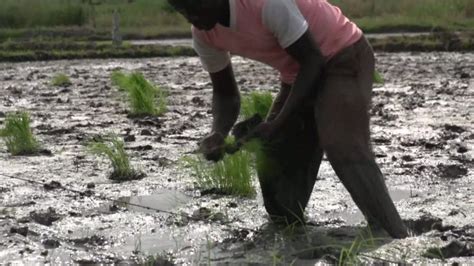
<point>343,126</point>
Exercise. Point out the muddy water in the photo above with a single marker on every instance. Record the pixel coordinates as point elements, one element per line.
<point>422,135</point>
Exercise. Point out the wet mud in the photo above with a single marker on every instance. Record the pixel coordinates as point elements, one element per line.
<point>422,137</point>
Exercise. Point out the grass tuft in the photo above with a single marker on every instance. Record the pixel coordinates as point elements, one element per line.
<point>141,93</point>
<point>114,149</point>
<point>18,136</point>
<point>61,80</point>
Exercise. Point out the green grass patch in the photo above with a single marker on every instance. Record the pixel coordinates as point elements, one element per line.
<point>408,15</point>
<point>138,18</point>
<point>40,49</point>
<point>144,19</point>
<point>18,136</point>
<point>443,41</point>
<point>61,80</point>
<point>113,148</point>
<point>145,99</point>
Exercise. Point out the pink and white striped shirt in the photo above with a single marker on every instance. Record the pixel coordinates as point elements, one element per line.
<point>262,29</point>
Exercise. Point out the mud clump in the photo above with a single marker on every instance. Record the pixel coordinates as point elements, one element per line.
<point>454,128</point>
<point>52,185</point>
<point>45,218</point>
<point>414,101</point>
<point>205,214</point>
<point>129,138</point>
<point>424,224</point>
<point>94,240</point>
<point>462,148</point>
<point>119,178</point>
<point>51,243</point>
<point>455,248</point>
<point>19,230</point>
<point>452,171</point>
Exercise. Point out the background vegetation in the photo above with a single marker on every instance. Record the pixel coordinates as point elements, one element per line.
<point>33,30</point>
<point>155,18</point>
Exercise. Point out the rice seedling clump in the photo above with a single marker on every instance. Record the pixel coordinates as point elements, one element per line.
<point>113,149</point>
<point>378,79</point>
<point>233,174</point>
<point>61,80</point>
<point>230,176</point>
<point>145,99</point>
<point>256,103</point>
<point>18,136</point>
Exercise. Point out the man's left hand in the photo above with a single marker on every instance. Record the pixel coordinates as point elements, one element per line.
<point>265,130</point>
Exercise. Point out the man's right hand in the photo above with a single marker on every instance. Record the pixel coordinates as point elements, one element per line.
<point>213,146</point>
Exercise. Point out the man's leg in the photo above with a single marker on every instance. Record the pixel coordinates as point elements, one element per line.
<point>288,165</point>
<point>343,126</point>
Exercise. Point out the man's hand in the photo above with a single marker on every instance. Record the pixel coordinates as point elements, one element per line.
<point>213,147</point>
<point>264,131</point>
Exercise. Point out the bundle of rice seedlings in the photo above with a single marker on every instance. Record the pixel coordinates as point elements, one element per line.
<point>113,149</point>
<point>378,79</point>
<point>233,174</point>
<point>230,176</point>
<point>61,80</point>
<point>256,103</point>
<point>145,99</point>
<point>18,136</point>
<point>120,80</point>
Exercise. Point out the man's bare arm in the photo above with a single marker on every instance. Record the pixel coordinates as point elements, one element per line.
<point>311,61</point>
<point>225,101</point>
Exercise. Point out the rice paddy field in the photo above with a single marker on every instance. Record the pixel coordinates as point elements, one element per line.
<point>99,161</point>
<point>422,135</point>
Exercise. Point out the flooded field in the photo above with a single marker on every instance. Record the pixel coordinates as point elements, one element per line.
<point>422,133</point>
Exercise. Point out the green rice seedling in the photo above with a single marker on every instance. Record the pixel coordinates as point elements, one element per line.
<point>114,149</point>
<point>434,253</point>
<point>18,136</point>
<point>230,176</point>
<point>256,103</point>
<point>120,80</point>
<point>350,255</point>
<point>378,79</point>
<point>142,94</point>
<point>61,80</point>
<point>143,97</point>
